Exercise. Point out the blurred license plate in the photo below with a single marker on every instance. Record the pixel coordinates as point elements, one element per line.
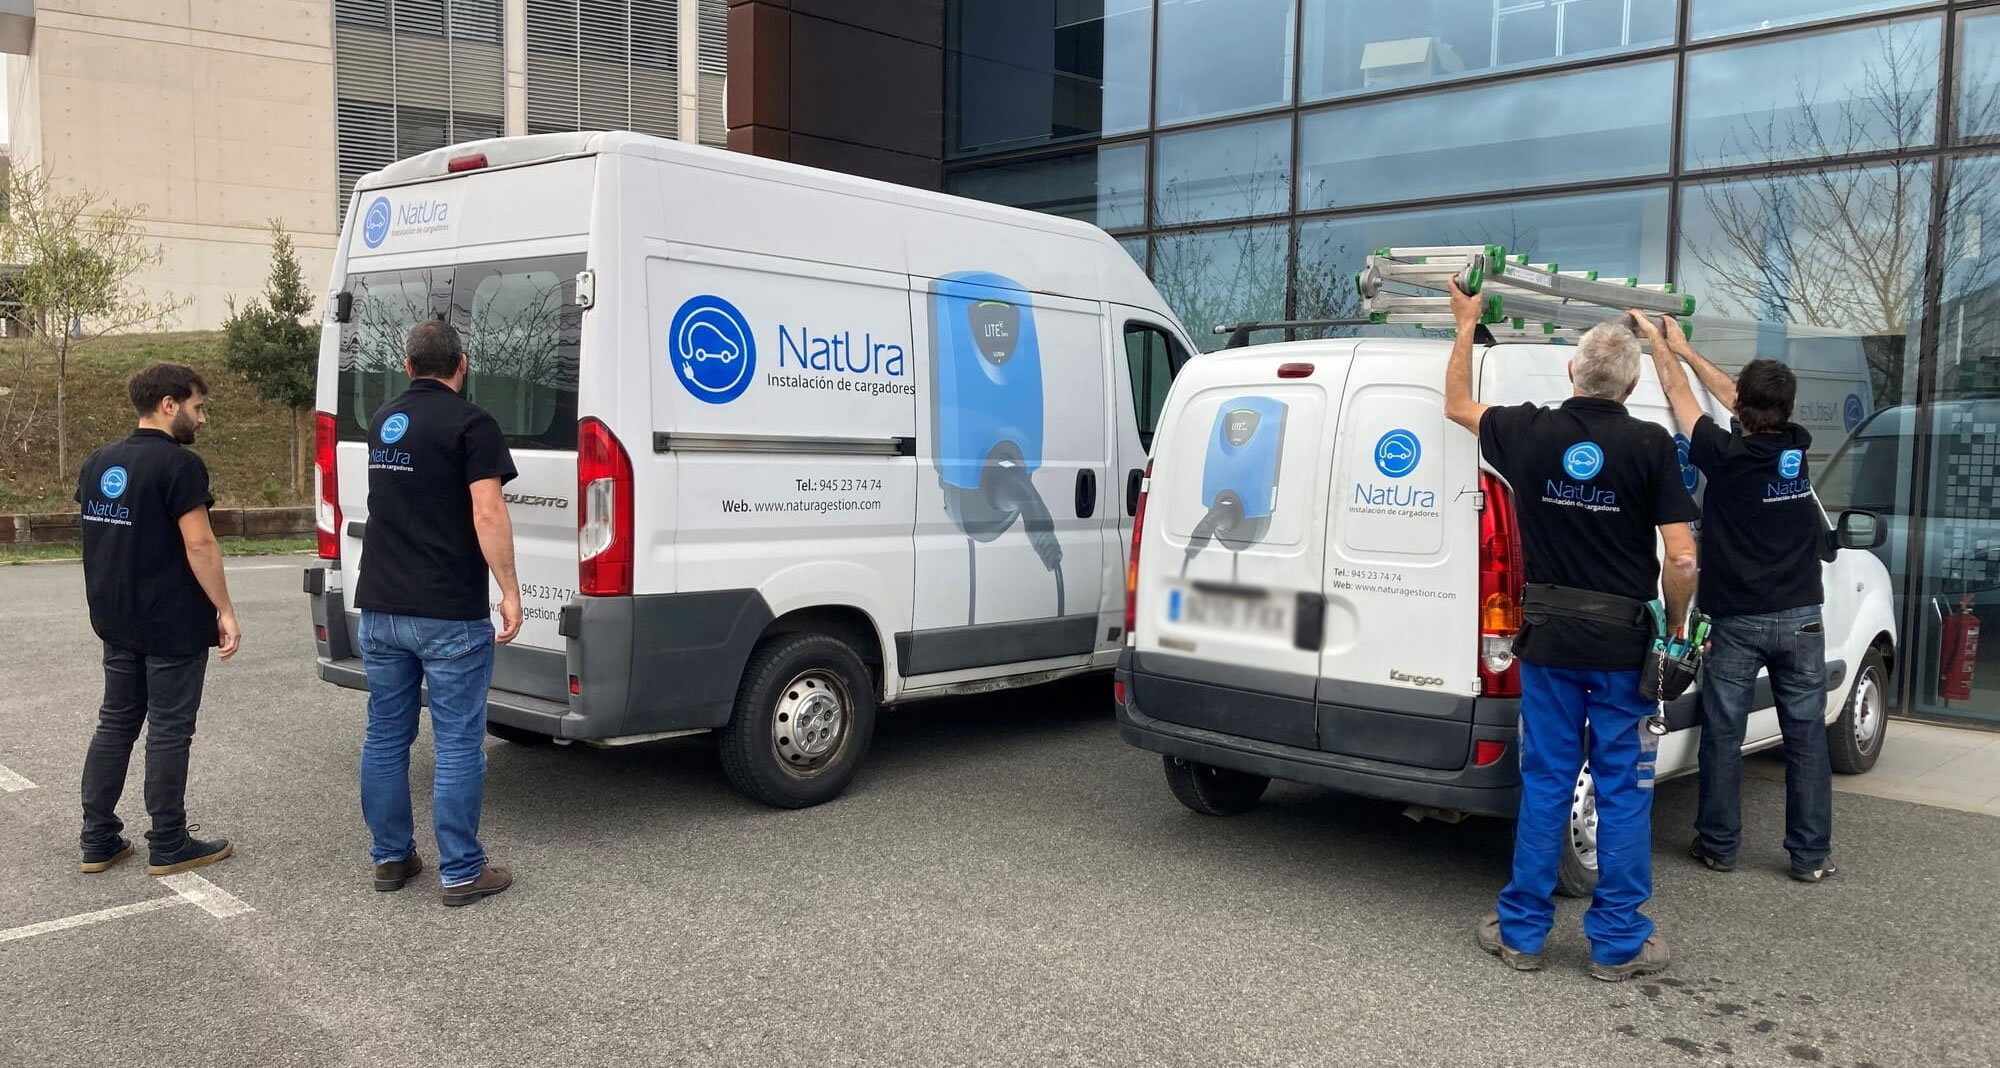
<point>1248,612</point>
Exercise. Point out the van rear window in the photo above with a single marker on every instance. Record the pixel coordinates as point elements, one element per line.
<point>520,325</point>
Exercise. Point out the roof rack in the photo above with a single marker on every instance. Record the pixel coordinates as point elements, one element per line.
<point>1521,295</point>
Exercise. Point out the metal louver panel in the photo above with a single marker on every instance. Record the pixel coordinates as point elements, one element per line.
<point>656,86</point>
<point>713,87</point>
<point>603,65</point>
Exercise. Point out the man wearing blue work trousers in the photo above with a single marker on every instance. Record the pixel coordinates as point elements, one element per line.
<point>1592,486</point>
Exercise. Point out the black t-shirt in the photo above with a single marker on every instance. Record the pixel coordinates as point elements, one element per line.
<point>1592,485</point>
<point>143,595</point>
<point>1761,529</point>
<point>420,554</point>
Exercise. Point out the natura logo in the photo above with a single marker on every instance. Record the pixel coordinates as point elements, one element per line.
<point>375,224</point>
<point>1790,463</point>
<point>113,483</point>
<point>394,427</point>
<point>1690,474</point>
<point>1583,461</point>
<point>1397,453</point>
<point>711,349</point>
<point>1852,412</point>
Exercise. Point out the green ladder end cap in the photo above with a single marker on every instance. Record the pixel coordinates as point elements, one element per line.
<point>1687,307</point>
<point>1378,318</point>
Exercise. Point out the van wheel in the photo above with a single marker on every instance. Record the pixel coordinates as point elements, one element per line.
<point>1214,791</point>
<point>805,713</point>
<point>1856,738</point>
<point>1576,874</point>
<point>517,735</point>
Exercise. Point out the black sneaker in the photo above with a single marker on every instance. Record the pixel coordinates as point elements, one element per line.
<point>103,858</point>
<point>1700,852</point>
<point>191,853</point>
<point>1826,870</point>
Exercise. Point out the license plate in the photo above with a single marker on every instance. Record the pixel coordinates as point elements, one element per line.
<point>1244,613</point>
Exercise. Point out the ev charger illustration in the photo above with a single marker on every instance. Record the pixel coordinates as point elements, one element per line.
<point>1239,477</point>
<point>986,417</point>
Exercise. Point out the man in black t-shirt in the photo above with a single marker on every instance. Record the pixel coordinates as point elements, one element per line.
<point>1764,537</point>
<point>1592,487</point>
<point>436,525</point>
<point>152,574</point>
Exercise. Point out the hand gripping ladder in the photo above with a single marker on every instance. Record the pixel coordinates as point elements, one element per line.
<point>1518,297</point>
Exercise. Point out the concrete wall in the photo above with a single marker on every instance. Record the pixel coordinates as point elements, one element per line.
<point>216,115</point>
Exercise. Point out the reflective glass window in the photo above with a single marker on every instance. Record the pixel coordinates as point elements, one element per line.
<point>1026,72</point>
<point>1833,94</point>
<point>1714,18</point>
<point>1224,57</point>
<point>1223,276</point>
<point>1105,186</point>
<point>1979,74</point>
<point>1227,172</point>
<point>1353,46</point>
<point>1611,122</point>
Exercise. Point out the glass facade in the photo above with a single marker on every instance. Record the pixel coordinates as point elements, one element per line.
<point>1823,175</point>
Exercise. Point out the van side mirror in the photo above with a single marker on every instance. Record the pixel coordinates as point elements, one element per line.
<point>1861,530</point>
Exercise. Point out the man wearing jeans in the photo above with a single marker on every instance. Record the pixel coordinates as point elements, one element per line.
<point>1763,536</point>
<point>436,525</point>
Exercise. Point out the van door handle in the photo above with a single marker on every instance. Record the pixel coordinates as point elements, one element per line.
<point>1134,479</point>
<point>1086,493</point>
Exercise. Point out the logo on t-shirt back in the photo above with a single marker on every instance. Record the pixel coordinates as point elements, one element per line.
<point>113,482</point>
<point>103,508</point>
<point>1792,483</point>
<point>384,458</point>
<point>394,427</point>
<point>1583,461</point>
<point>1790,463</point>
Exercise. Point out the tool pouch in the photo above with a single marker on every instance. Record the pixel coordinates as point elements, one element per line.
<point>1664,676</point>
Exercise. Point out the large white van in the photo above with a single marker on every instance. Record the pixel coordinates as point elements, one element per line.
<point>1323,581</point>
<point>792,444</point>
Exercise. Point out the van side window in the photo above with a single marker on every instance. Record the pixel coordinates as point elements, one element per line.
<point>1154,358</point>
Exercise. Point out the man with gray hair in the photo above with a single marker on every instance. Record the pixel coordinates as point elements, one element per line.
<point>1592,487</point>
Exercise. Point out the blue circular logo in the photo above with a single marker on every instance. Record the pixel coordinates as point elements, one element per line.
<point>1690,474</point>
<point>394,427</point>
<point>375,224</point>
<point>1790,463</point>
<point>1583,461</point>
<point>1396,455</point>
<point>1852,412</point>
<point>113,483</point>
<point>711,349</point>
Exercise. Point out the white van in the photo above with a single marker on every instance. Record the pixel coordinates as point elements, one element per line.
<point>1355,637</point>
<point>792,444</point>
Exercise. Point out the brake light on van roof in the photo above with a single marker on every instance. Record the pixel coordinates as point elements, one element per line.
<point>1295,370</point>
<point>604,549</point>
<point>471,162</point>
<point>326,487</point>
<point>1502,582</point>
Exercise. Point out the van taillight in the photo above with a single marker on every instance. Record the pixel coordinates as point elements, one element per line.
<point>604,522</point>
<point>326,487</point>
<point>1502,579</point>
<point>460,164</point>
<point>1132,565</point>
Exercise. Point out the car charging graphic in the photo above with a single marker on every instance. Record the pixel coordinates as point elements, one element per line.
<point>113,482</point>
<point>375,223</point>
<point>394,427</point>
<point>986,417</point>
<point>712,350</point>
<point>1398,453</point>
<point>1239,476</point>
<point>1583,461</point>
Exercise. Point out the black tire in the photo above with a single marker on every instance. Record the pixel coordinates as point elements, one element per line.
<point>1576,873</point>
<point>516,735</point>
<point>795,676</point>
<point>1855,740</point>
<point>1214,791</point>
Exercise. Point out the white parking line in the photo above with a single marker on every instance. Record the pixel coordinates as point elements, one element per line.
<point>88,918</point>
<point>188,888</point>
<point>13,783</point>
<point>212,899</point>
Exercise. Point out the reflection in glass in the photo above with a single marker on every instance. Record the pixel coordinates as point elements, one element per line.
<point>1225,173</point>
<point>1223,58</point>
<point>1557,129</point>
<point>1979,75</point>
<point>1027,72</point>
<point>1613,233</point>
<point>1352,46</point>
<point>1835,94</point>
<point>1223,276</point>
<point>1136,248</point>
<point>1714,18</point>
<point>1105,186</point>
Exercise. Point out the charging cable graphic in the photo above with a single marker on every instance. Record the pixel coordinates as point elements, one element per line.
<point>1239,476</point>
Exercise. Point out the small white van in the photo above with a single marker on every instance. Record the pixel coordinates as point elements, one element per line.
<point>1324,574</point>
<point>792,444</point>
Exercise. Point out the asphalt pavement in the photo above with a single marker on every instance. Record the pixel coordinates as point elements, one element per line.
<point>1005,884</point>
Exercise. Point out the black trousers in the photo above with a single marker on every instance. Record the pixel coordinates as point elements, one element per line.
<point>161,693</point>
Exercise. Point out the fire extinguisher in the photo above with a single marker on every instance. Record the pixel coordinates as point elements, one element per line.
<point>1957,652</point>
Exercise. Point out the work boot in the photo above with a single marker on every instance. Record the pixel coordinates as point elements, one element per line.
<point>1700,852</point>
<point>191,853</point>
<point>391,876</point>
<point>1824,870</point>
<point>1653,959</point>
<point>1491,942</point>
<point>493,879</point>
<point>103,858</point>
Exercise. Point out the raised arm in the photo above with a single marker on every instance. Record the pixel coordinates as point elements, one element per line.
<point>496,543</point>
<point>204,557</point>
<point>1677,575</point>
<point>1713,378</point>
<point>1459,406</point>
<point>1673,379</point>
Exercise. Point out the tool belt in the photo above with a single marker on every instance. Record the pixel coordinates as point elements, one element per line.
<point>1568,602</point>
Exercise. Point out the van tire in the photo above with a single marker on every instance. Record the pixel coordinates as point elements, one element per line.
<point>1855,739</point>
<point>1575,875</point>
<point>822,682</point>
<point>1214,791</point>
<point>517,735</point>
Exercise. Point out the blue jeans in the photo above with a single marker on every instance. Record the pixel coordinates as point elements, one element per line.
<point>455,657</point>
<point>1557,705</point>
<point>1791,645</point>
